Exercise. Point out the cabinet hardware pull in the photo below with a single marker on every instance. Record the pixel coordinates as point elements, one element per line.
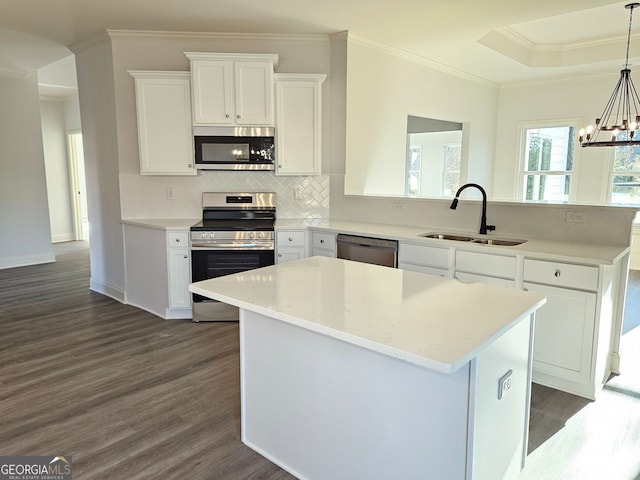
<point>227,116</point>
<point>186,256</point>
<point>190,165</point>
<point>321,241</point>
<point>279,255</point>
<point>178,240</point>
<point>237,116</point>
<point>557,273</point>
<point>279,165</point>
<point>291,239</point>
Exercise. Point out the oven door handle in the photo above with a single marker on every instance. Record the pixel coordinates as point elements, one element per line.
<point>233,246</point>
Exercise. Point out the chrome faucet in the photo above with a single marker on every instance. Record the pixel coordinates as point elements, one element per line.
<point>483,221</point>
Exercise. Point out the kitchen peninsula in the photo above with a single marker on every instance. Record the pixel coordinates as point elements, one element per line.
<point>351,370</point>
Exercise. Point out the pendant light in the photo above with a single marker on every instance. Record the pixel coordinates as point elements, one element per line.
<point>618,124</point>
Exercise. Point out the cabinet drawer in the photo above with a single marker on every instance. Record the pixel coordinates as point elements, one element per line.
<point>178,239</point>
<point>440,272</point>
<point>561,274</point>
<point>473,278</point>
<point>290,238</point>
<point>486,264</point>
<point>325,241</point>
<point>424,255</point>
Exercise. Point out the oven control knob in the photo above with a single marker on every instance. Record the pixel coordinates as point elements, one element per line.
<point>252,235</point>
<point>260,235</point>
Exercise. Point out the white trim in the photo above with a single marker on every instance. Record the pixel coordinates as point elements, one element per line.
<point>520,171</point>
<point>25,260</point>
<point>301,39</point>
<point>420,60</point>
<point>63,237</point>
<point>107,289</point>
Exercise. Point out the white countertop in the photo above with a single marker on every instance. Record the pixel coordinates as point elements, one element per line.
<point>430,321</point>
<point>162,223</point>
<point>585,253</point>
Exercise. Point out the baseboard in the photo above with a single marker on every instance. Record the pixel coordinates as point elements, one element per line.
<point>107,289</point>
<point>178,314</point>
<point>62,237</point>
<point>24,260</point>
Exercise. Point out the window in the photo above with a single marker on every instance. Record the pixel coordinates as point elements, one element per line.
<point>414,167</point>
<point>452,160</point>
<point>625,175</point>
<point>547,162</point>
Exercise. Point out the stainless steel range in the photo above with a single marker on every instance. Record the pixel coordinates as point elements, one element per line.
<point>236,234</point>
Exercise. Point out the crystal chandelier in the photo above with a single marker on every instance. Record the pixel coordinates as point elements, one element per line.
<point>619,122</point>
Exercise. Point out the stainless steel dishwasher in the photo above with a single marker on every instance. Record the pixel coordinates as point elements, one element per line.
<point>368,250</point>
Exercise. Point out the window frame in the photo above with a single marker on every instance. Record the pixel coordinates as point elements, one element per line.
<point>612,174</point>
<point>522,172</point>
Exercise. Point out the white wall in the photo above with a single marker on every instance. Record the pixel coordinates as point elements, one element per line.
<point>583,98</point>
<point>99,130</point>
<point>603,225</point>
<point>25,235</point>
<point>54,140</point>
<point>382,89</point>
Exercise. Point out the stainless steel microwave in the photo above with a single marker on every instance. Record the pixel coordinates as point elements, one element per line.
<point>234,148</point>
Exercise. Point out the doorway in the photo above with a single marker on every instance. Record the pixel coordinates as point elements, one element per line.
<point>78,185</point>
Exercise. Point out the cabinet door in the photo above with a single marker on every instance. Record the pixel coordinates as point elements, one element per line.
<point>564,332</point>
<point>298,124</point>
<point>253,93</point>
<point>165,139</point>
<point>289,254</point>
<point>179,278</point>
<point>213,92</point>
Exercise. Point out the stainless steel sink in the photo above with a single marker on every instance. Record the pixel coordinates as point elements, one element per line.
<point>500,242</point>
<point>447,236</point>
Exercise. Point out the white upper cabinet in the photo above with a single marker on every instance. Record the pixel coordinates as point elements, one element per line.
<point>298,124</point>
<point>165,138</point>
<point>232,89</point>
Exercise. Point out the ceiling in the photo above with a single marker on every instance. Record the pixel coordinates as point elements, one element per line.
<point>495,40</point>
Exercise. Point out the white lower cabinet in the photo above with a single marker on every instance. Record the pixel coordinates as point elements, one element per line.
<point>158,270</point>
<point>291,245</point>
<point>324,244</point>
<point>424,259</point>
<point>564,335</point>
<point>179,270</point>
<point>573,330</point>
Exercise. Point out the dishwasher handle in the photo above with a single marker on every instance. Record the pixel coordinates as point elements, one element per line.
<point>366,241</point>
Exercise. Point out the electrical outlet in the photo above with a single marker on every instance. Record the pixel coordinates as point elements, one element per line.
<point>504,384</point>
<point>298,193</point>
<point>398,207</point>
<point>576,217</point>
<point>170,194</point>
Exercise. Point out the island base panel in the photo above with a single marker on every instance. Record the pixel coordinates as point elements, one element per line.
<point>323,408</point>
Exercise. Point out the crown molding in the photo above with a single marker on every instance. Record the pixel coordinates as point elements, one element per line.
<point>309,39</point>
<point>425,62</point>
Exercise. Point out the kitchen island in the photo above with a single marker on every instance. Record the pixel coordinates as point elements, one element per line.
<point>351,370</point>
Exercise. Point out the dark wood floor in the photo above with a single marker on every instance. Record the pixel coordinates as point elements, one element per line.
<point>129,395</point>
<point>126,394</point>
